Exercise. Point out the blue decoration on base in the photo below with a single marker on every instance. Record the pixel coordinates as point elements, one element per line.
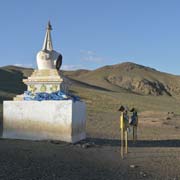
<point>58,95</point>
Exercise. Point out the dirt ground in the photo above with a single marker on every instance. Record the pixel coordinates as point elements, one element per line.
<point>156,155</point>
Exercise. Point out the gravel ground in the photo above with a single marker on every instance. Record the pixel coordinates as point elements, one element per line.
<point>91,159</point>
<point>156,155</point>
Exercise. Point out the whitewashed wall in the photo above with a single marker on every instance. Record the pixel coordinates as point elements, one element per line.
<point>41,120</point>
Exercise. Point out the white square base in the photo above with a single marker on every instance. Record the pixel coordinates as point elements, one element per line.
<point>44,120</point>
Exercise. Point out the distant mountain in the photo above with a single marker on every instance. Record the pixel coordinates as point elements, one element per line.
<point>130,77</point>
<point>104,89</point>
<point>11,81</point>
<point>125,77</point>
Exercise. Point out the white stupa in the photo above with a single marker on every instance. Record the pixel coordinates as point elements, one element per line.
<point>47,78</point>
<point>49,112</point>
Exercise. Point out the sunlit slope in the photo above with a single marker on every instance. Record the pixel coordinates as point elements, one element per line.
<point>104,89</point>
<point>132,78</point>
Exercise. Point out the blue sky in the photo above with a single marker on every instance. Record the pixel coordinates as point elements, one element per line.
<point>93,33</point>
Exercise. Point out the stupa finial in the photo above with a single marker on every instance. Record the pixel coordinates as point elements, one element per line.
<point>47,40</point>
<point>49,27</point>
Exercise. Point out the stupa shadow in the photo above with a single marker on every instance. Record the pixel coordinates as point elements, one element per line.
<point>139,143</point>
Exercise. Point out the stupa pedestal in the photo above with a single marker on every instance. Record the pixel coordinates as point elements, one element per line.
<point>44,120</point>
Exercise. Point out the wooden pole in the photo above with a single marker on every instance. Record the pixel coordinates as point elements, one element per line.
<point>133,134</point>
<point>135,131</point>
<point>122,135</point>
<point>126,141</point>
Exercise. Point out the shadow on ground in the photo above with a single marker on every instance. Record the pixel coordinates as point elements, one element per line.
<point>139,143</point>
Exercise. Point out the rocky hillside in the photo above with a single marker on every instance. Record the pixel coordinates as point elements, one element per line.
<point>125,77</point>
<point>132,78</point>
<point>104,89</point>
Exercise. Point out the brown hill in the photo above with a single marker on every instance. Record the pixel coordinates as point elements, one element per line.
<point>105,88</point>
<point>124,77</point>
<point>132,78</point>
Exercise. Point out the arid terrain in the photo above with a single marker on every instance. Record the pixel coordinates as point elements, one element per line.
<point>156,154</point>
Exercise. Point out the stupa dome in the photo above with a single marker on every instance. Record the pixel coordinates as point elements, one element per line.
<point>47,58</point>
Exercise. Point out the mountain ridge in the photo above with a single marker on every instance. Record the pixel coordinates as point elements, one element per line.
<point>132,77</point>
<point>126,76</point>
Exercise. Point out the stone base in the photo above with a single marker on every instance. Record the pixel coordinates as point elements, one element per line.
<point>44,120</point>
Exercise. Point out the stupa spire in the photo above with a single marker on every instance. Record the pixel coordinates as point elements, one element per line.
<point>47,40</point>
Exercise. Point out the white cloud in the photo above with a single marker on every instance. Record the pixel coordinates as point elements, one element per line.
<point>89,52</point>
<point>90,56</point>
<point>93,59</point>
<point>71,67</point>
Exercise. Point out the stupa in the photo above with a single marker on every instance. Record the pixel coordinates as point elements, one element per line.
<point>46,111</point>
